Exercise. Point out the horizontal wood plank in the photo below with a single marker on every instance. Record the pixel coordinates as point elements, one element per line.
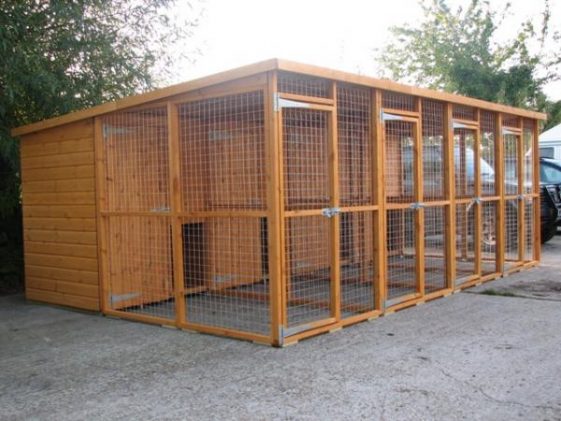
<point>63,262</point>
<point>60,186</point>
<point>59,274</point>
<point>62,173</point>
<point>30,149</point>
<point>69,237</point>
<point>74,250</point>
<point>40,283</point>
<point>69,130</point>
<point>63,224</point>
<point>69,300</point>
<point>83,290</point>
<point>59,160</point>
<point>69,198</point>
<point>59,211</point>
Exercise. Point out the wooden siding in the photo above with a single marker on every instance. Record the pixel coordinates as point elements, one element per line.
<point>59,216</point>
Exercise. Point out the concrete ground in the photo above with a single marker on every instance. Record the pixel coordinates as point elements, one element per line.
<point>470,356</point>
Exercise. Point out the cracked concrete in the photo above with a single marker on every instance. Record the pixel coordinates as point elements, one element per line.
<point>469,356</point>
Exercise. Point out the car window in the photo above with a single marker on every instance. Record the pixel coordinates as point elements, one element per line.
<point>550,174</point>
<point>546,153</point>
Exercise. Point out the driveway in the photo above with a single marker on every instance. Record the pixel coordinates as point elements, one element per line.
<point>469,356</point>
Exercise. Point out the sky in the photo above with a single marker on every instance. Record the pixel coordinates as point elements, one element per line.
<point>342,35</point>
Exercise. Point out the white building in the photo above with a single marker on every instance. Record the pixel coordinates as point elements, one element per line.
<point>550,143</point>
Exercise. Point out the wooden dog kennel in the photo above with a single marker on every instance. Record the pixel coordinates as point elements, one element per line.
<point>276,201</point>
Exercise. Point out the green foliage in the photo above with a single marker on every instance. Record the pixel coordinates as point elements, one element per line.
<point>59,56</point>
<point>457,51</point>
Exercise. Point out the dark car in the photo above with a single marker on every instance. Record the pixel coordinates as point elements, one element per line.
<point>550,191</point>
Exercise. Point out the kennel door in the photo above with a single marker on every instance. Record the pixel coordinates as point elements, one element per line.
<point>311,217</point>
<point>403,187</point>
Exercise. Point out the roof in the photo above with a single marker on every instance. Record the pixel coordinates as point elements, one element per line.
<point>552,134</point>
<point>265,66</point>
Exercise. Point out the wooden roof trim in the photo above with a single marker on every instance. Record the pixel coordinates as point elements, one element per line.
<point>265,66</point>
<point>158,94</point>
<point>291,66</point>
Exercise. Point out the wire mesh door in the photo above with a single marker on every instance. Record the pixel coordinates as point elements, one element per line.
<point>312,222</point>
<point>467,188</point>
<point>404,213</point>
<point>514,195</point>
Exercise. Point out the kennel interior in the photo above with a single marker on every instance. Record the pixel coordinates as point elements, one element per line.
<point>276,201</point>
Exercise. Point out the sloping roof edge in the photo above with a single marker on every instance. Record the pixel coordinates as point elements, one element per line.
<point>260,67</point>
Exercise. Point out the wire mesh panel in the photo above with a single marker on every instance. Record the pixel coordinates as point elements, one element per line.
<point>465,241</point>
<point>463,112</point>
<point>306,164</point>
<point>222,153</point>
<point>136,161</point>
<point>464,162</point>
<point>529,227</point>
<point>487,147</point>
<point>489,238</point>
<point>433,150</point>
<point>400,155</point>
<point>402,254</point>
<point>140,265</point>
<point>511,157</point>
<point>357,262</point>
<point>308,283</point>
<point>511,121</point>
<point>354,145</point>
<point>226,274</point>
<point>435,253</point>
<point>511,233</point>
<point>292,83</point>
<point>397,101</point>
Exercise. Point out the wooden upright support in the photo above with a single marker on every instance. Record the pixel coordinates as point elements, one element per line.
<point>450,191</point>
<point>500,190</point>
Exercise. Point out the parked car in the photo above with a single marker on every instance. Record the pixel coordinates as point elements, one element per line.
<point>550,185</point>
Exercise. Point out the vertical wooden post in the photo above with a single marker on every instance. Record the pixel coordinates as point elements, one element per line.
<point>450,186</point>
<point>275,206</point>
<point>478,205</point>
<point>500,190</point>
<point>378,189</point>
<point>419,196</point>
<point>174,159</point>
<point>334,223</point>
<point>536,190</point>
<point>101,223</point>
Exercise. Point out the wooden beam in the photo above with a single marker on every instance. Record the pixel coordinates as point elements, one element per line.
<point>419,197</point>
<point>536,191</point>
<point>334,222</point>
<point>450,192</point>
<point>478,193</point>
<point>500,190</point>
<point>274,209</point>
<point>378,185</point>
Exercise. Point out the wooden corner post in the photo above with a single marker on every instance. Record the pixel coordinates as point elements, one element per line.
<point>449,184</point>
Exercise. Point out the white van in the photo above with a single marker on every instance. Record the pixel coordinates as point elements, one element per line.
<point>550,143</point>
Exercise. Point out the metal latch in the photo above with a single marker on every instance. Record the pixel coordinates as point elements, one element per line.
<point>476,200</point>
<point>330,212</point>
<point>417,205</point>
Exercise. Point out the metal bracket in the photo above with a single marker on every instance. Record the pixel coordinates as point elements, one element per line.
<point>520,197</point>
<point>123,297</point>
<point>160,209</point>
<point>417,205</point>
<point>279,103</point>
<point>387,117</point>
<point>330,212</point>
<point>109,130</point>
<point>477,200</point>
<point>507,131</point>
<point>456,125</point>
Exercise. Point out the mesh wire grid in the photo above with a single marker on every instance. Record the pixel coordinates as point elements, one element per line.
<point>292,83</point>
<point>435,252</point>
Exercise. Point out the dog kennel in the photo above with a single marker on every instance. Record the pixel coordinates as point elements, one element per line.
<point>276,201</point>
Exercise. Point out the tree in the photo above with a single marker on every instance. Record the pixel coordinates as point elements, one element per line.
<point>457,51</point>
<point>59,56</point>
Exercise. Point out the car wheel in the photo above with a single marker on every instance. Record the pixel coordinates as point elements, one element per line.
<point>548,232</point>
